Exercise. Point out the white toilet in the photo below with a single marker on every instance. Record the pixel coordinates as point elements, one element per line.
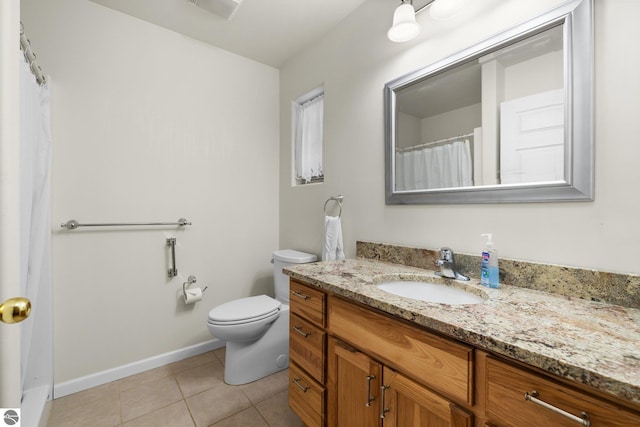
<point>256,329</point>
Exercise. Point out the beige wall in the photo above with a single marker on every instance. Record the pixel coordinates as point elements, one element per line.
<point>355,61</point>
<point>452,123</point>
<point>409,130</point>
<point>149,125</point>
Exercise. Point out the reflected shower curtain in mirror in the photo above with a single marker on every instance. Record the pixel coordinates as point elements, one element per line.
<point>442,166</point>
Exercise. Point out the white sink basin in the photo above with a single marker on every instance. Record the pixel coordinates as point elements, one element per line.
<point>430,292</point>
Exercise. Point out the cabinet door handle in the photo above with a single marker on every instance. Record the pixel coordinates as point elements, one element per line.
<point>296,381</point>
<point>533,397</point>
<point>369,397</point>
<point>383,410</point>
<point>300,295</point>
<point>299,330</point>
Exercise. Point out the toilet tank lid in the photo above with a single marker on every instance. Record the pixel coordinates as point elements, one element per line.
<point>294,257</point>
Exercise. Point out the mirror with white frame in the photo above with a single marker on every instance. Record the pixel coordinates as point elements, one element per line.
<point>507,120</point>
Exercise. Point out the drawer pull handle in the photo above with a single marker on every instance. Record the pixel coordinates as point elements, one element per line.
<point>299,330</point>
<point>300,295</point>
<point>383,410</point>
<point>583,420</point>
<point>296,381</point>
<point>369,397</point>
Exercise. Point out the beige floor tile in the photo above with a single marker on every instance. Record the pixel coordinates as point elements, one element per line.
<point>216,404</point>
<point>220,353</point>
<point>75,400</point>
<point>182,394</point>
<point>250,417</point>
<point>192,362</point>
<point>277,412</point>
<point>201,378</point>
<point>145,377</point>
<point>99,413</point>
<point>258,391</point>
<point>176,415</point>
<point>149,397</point>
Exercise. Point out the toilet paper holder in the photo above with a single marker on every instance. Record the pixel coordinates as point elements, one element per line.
<point>190,280</point>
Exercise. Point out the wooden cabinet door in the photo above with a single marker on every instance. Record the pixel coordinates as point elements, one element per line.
<point>409,404</point>
<point>354,387</point>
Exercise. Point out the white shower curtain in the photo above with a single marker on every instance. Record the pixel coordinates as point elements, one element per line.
<point>442,166</point>
<point>35,229</point>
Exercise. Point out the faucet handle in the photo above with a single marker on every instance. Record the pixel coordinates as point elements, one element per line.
<point>446,254</point>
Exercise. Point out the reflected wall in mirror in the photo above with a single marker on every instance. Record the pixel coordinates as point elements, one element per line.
<point>507,120</point>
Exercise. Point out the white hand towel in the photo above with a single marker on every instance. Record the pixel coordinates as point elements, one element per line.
<point>332,247</point>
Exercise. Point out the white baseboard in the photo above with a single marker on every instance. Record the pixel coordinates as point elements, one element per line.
<point>104,377</point>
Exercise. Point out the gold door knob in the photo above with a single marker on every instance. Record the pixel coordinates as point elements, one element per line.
<point>15,310</point>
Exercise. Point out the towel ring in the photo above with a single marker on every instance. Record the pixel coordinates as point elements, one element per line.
<point>338,200</point>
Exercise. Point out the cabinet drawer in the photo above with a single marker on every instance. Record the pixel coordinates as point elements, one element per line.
<point>307,346</point>
<point>307,302</point>
<point>506,404</point>
<point>306,397</point>
<point>443,365</point>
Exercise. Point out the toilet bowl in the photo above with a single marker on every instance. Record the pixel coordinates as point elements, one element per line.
<point>244,319</point>
<point>256,328</point>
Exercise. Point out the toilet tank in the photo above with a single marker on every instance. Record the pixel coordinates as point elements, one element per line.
<point>283,258</point>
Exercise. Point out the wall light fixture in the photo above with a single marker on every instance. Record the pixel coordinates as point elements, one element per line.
<point>404,26</point>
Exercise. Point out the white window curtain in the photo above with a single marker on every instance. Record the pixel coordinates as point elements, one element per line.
<point>443,166</point>
<point>308,138</point>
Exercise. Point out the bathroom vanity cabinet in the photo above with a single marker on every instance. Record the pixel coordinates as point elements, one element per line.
<point>352,365</point>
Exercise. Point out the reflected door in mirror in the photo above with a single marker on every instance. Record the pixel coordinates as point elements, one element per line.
<point>532,139</point>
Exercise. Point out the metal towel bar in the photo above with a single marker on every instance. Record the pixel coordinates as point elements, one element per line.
<point>72,224</point>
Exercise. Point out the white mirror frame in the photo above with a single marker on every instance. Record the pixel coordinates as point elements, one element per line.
<point>577,18</point>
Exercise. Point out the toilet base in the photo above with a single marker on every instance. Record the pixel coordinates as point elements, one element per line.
<point>246,362</point>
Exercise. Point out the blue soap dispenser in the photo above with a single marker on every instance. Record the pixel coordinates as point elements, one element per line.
<point>490,272</point>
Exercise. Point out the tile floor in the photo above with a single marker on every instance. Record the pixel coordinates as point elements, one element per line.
<point>188,393</point>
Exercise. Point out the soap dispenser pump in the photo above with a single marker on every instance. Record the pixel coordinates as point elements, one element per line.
<point>489,272</point>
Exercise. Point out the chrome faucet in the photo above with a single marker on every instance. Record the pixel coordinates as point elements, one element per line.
<point>447,265</point>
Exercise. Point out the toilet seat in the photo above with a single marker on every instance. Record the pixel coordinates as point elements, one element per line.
<point>244,310</point>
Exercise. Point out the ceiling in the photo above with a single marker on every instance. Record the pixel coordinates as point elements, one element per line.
<point>267,31</point>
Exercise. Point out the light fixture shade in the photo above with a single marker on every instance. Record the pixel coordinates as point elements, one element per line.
<point>404,26</point>
<point>441,10</point>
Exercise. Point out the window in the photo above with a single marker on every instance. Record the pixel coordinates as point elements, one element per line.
<point>308,120</point>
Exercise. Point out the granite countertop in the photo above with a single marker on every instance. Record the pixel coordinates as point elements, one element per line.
<point>592,343</point>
